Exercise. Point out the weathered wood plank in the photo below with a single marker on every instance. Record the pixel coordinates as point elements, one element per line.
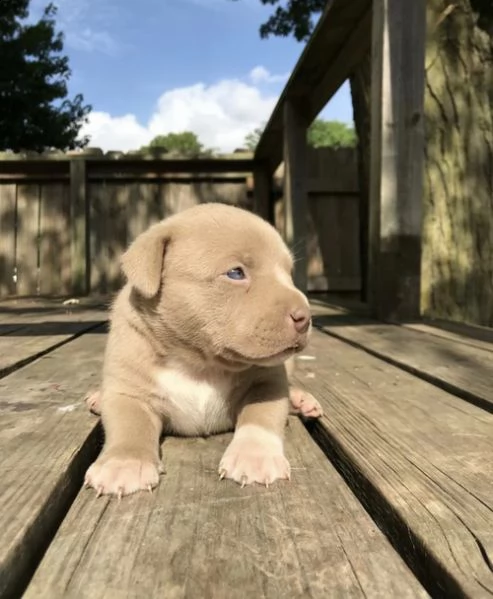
<point>262,181</point>
<point>295,193</point>
<point>397,155</point>
<point>24,340</point>
<point>419,458</point>
<point>79,233</point>
<point>55,274</point>
<point>7,238</point>
<point>481,337</point>
<point>27,243</point>
<point>197,537</point>
<point>47,441</point>
<point>108,233</point>
<point>460,368</point>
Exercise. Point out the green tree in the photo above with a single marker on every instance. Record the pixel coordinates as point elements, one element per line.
<point>35,113</point>
<point>321,134</point>
<point>185,143</point>
<point>331,134</point>
<point>252,139</point>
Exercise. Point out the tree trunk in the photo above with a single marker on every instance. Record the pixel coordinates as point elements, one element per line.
<point>457,258</point>
<point>457,261</point>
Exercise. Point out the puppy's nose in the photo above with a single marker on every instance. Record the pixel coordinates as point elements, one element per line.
<point>301,319</point>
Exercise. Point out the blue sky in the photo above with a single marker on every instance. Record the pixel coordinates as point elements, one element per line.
<point>155,66</point>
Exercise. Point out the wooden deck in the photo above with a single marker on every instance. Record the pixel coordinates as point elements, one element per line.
<point>391,496</point>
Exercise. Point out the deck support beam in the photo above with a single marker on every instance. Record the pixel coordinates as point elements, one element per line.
<point>397,156</point>
<point>295,190</point>
<point>262,193</point>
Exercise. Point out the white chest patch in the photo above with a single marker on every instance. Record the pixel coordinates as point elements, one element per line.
<point>194,406</point>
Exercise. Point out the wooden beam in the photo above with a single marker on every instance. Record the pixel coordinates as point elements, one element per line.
<point>351,55</point>
<point>295,190</point>
<point>339,42</point>
<point>262,191</point>
<point>397,153</point>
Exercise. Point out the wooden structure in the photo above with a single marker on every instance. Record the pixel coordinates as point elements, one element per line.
<point>65,219</point>
<point>390,493</point>
<point>394,32</point>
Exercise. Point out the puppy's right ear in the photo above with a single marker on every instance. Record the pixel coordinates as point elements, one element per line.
<point>142,263</point>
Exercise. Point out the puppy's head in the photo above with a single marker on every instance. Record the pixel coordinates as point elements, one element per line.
<point>217,279</point>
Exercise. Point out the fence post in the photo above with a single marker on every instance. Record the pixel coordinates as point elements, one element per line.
<point>397,154</point>
<point>79,226</point>
<point>295,190</point>
<point>262,193</point>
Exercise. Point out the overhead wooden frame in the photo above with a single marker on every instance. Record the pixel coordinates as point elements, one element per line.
<point>338,44</point>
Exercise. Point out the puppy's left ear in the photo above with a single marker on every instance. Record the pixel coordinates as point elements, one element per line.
<point>142,263</point>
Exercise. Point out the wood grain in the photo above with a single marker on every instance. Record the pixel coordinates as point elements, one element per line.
<point>295,190</point>
<point>420,459</point>
<point>27,240</point>
<point>55,262</point>
<point>463,368</point>
<point>7,238</point>
<point>397,157</point>
<point>198,537</point>
<point>47,440</point>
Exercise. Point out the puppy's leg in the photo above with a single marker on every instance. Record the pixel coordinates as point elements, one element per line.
<point>302,402</point>
<point>130,460</point>
<point>256,452</point>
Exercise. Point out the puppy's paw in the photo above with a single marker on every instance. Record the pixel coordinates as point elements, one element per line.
<point>304,404</point>
<point>122,474</point>
<point>255,455</point>
<point>92,400</point>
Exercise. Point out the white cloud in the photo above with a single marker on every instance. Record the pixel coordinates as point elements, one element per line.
<point>221,115</point>
<point>115,133</point>
<point>260,74</point>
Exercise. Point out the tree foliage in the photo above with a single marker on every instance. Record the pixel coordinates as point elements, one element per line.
<point>185,143</point>
<point>333,134</point>
<point>35,112</point>
<point>252,139</point>
<point>296,17</point>
<point>321,134</point>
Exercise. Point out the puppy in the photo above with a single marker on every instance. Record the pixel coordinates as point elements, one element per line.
<point>199,336</point>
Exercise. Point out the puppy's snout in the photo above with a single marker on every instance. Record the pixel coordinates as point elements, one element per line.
<point>301,319</point>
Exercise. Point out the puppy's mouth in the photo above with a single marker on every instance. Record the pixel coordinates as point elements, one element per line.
<point>266,360</point>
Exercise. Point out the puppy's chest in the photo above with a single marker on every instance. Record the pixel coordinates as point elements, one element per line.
<point>194,406</point>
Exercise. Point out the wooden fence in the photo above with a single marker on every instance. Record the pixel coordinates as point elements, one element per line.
<point>332,221</point>
<point>65,220</point>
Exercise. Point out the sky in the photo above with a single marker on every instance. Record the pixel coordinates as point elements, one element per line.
<point>151,67</point>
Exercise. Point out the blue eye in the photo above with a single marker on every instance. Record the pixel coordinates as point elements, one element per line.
<point>237,274</point>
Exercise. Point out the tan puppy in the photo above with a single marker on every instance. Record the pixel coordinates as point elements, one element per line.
<point>197,344</point>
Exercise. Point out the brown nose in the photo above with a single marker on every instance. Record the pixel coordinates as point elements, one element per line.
<point>301,319</point>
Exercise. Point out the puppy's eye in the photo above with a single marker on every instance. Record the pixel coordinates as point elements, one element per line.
<point>237,274</point>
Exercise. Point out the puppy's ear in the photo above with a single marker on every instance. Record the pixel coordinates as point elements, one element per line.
<point>142,263</point>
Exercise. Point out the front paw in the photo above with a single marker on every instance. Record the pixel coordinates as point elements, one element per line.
<point>304,404</point>
<point>122,473</point>
<point>255,455</point>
